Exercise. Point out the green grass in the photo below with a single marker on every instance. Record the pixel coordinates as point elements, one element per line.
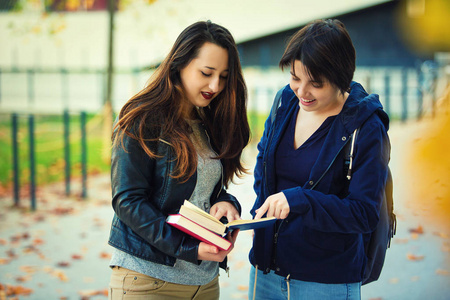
<point>49,148</point>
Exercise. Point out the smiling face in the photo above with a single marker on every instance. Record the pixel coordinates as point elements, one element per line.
<point>206,75</point>
<point>314,96</point>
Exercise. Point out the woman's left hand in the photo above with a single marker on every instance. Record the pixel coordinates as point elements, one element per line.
<point>275,205</point>
<point>224,209</point>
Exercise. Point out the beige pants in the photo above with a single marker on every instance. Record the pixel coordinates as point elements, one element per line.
<point>126,284</point>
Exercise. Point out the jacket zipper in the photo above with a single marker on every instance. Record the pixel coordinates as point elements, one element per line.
<point>275,237</point>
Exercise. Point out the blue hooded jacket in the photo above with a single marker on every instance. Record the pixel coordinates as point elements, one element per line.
<point>330,219</point>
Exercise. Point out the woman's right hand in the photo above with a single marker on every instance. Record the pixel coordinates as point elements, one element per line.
<point>212,253</point>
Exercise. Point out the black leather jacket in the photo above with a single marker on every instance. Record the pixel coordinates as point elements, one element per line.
<point>144,194</point>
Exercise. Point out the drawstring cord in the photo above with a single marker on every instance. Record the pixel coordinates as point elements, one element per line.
<point>288,286</point>
<point>254,285</point>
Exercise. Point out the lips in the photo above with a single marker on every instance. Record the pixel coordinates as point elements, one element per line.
<point>306,101</point>
<point>207,95</point>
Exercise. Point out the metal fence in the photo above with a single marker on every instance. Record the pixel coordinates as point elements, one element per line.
<point>21,123</point>
<point>405,94</point>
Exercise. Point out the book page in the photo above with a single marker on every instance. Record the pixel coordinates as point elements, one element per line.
<point>200,211</point>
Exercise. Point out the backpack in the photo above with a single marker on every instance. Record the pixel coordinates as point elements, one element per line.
<point>380,238</point>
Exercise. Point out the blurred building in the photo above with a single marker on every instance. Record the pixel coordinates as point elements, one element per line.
<point>54,57</point>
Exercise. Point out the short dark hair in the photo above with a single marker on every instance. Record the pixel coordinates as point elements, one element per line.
<point>326,50</point>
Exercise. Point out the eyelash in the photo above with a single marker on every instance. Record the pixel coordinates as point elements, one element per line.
<point>208,75</point>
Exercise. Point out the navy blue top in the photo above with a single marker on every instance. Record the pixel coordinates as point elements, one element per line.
<point>293,166</point>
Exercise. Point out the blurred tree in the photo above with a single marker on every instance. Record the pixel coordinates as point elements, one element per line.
<point>423,24</point>
<point>69,6</point>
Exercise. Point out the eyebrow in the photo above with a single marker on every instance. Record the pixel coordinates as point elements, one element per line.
<point>211,68</point>
<point>310,79</point>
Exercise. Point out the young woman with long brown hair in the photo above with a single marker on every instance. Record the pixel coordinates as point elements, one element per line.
<point>180,138</point>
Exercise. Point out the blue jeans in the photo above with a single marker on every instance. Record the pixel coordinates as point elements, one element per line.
<point>274,287</point>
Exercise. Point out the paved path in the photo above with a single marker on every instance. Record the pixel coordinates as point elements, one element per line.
<point>60,251</point>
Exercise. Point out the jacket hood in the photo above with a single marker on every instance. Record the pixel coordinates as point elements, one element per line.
<point>360,106</point>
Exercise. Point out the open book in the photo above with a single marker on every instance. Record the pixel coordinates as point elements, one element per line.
<point>206,220</point>
<point>197,231</point>
<point>203,226</point>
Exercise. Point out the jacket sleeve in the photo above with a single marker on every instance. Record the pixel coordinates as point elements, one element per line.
<point>359,211</point>
<point>131,182</point>
<point>225,196</point>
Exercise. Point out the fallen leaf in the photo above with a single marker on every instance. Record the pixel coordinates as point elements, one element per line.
<point>442,272</point>
<point>77,257</point>
<point>445,248</point>
<point>4,261</point>
<point>418,230</point>
<point>414,257</point>
<point>400,241</point>
<point>11,290</point>
<point>37,242</point>
<point>61,276</point>
<point>239,265</point>
<point>105,255</point>
<point>39,218</point>
<point>242,287</point>
<point>3,242</point>
<point>394,280</point>
<point>441,235</point>
<point>11,253</point>
<point>88,279</point>
<point>63,264</point>
<point>90,293</point>
<point>415,278</point>
<point>15,238</point>
<point>60,211</point>
<point>29,269</point>
<point>23,278</point>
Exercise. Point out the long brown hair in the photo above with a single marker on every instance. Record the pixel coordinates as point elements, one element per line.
<point>156,112</point>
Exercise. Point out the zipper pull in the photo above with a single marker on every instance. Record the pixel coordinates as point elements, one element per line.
<point>228,271</point>
<point>275,238</point>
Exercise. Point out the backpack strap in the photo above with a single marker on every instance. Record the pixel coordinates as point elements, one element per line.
<point>388,193</point>
<point>275,105</point>
<point>350,155</point>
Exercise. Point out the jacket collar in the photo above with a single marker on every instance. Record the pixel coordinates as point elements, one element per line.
<point>358,107</point>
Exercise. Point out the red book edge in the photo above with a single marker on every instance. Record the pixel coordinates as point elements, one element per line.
<point>197,236</point>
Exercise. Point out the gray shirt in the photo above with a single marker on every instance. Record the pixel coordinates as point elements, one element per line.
<point>209,172</point>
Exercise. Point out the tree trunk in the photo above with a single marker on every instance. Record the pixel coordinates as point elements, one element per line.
<point>108,111</point>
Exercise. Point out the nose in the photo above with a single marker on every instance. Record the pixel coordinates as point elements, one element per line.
<point>214,84</point>
<point>301,90</point>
